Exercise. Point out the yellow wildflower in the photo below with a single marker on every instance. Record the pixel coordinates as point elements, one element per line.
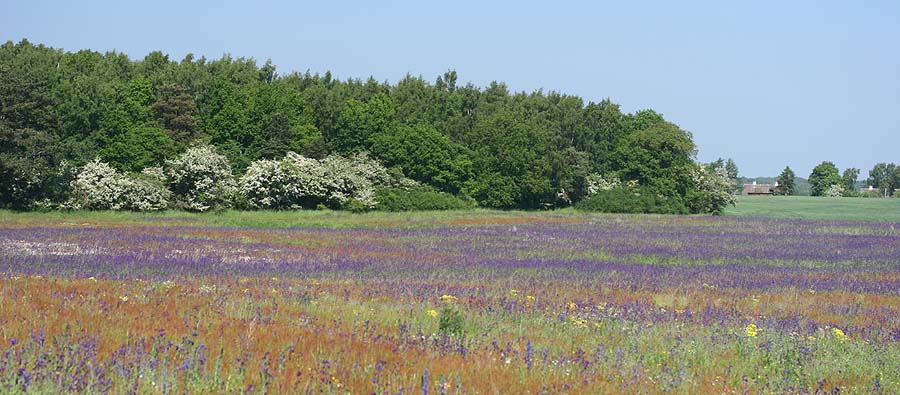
<point>751,330</point>
<point>123,298</point>
<point>448,298</point>
<point>513,293</point>
<point>572,306</point>
<point>432,313</point>
<point>840,334</point>
<point>530,298</point>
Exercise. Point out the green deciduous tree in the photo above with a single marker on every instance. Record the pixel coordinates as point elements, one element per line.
<point>849,177</point>
<point>660,157</point>
<point>358,122</point>
<point>425,155</point>
<point>823,177</point>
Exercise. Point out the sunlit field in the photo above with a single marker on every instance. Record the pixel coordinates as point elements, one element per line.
<point>815,207</point>
<point>446,303</point>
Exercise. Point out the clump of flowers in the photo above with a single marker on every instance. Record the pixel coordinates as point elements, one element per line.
<point>201,179</point>
<point>432,313</point>
<point>835,191</point>
<point>297,181</point>
<point>714,190</point>
<point>292,182</point>
<point>839,334</point>
<point>98,186</point>
<point>448,298</point>
<point>596,182</point>
<point>751,330</point>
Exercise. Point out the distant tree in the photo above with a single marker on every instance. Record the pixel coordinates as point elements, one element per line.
<point>849,177</point>
<point>138,148</point>
<point>28,165</point>
<point>660,157</point>
<point>359,121</point>
<point>425,155</point>
<point>885,177</point>
<point>177,112</point>
<point>823,177</point>
<point>785,182</point>
<point>713,191</point>
<point>732,169</point>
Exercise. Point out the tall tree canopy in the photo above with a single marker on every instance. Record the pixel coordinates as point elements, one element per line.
<point>823,177</point>
<point>504,149</point>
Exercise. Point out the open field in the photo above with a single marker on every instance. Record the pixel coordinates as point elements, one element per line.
<point>457,302</point>
<point>808,207</point>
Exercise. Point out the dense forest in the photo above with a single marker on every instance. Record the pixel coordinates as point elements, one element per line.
<point>497,148</point>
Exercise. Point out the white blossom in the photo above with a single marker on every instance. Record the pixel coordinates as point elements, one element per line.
<point>201,179</point>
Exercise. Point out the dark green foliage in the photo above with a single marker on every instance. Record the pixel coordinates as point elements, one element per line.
<point>659,157</point>
<point>823,177</point>
<point>886,177</point>
<point>354,206</point>
<point>451,322</point>
<point>785,182</point>
<point>177,112</point>
<point>29,161</point>
<point>425,155</point>
<point>358,122</point>
<point>626,200</point>
<point>503,149</point>
<point>418,199</point>
<point>849,177</point>
<point>138,148</point>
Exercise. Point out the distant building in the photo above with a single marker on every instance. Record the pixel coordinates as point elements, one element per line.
<point>870,189</point>
<point>755,189</point>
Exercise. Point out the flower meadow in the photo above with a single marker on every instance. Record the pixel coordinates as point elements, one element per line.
<point>463,303</point>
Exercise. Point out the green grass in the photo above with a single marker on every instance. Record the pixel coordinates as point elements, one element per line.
<point>807,207</point>
<point>275,219</point>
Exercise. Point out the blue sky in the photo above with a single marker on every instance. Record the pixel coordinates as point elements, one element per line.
<point>767,83</point>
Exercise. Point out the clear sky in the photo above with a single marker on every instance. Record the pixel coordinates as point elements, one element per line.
<point>768,83</point>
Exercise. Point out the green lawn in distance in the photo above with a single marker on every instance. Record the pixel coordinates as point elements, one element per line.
<point>808,207</point>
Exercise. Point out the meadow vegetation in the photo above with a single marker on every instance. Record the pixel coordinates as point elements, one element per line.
<point>446,302</point>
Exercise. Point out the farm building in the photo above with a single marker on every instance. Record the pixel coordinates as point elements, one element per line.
<point>871,189</point>
<point>755,189</point>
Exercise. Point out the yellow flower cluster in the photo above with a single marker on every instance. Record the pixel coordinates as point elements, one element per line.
<point>839,334</point>
<point>448,298</point>
<point>751,330</point>
<point>432,313</point>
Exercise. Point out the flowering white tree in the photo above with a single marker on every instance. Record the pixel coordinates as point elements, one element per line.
<point>98,186</point>
<point>201,179</point>
<point>835,191</point>
<point>714,190</point>
<point>596,183</point>
<point>348,181</point>
<point>292,182</point>
<point>297,181</point>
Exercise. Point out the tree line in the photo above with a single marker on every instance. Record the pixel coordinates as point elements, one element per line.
<point>827,180</point>
<point>498,148</point>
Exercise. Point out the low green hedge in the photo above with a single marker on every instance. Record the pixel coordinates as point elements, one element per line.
<point>418,199</point>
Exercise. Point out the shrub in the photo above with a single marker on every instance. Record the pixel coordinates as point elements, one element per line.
<point>418,198</point>
<point>293,182</point>
<point>595,183</point>
<point>201,179</point>
<point>835,191</point>
<point>631,200</point>
<point>98,186</point>
<point>451,322</point>
<point>712,192</point>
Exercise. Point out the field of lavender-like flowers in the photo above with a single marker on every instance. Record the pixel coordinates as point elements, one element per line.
<point>447,303</point>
